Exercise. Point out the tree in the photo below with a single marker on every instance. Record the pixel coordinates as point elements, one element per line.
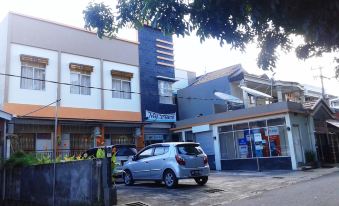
<point>270,23</point>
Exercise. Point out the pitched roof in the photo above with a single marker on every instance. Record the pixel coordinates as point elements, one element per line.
<point>218,73</point>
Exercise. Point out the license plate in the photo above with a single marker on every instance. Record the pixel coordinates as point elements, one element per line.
<point>195,172</point>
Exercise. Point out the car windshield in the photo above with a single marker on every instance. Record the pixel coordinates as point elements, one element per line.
<point>189,149</point>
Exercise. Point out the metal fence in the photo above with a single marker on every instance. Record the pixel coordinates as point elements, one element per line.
<point>59,153</point>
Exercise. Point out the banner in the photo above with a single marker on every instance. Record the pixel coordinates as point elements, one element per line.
<point>156,117</point>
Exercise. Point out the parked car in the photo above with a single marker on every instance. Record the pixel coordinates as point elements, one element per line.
<point>168,162</point>
<point>123,152</point>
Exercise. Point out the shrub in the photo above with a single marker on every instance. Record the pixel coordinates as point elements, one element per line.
<point>19,159</point>
<point>309,156</point>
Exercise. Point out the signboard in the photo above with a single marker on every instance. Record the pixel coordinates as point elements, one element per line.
<point>156,117</point>
<point>201,128</point>
<point>243,148</point>
<point>154,137</point>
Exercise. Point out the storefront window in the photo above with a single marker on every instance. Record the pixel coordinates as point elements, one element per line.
<point>257,124</point>
<point>277,121</point>
<point>243,144</point>
<point>227,146</point>
<point>189,136</point>
<point>254,139</point>
<point>260,142</point>
<point>278,141</point>
<point>227,128</point>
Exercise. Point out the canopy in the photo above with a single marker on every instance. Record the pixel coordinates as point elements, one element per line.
<point>228,97</point>
<point>255,93</point>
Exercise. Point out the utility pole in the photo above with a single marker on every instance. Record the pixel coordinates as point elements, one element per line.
<point>322,77</point>
<point>55,146</point>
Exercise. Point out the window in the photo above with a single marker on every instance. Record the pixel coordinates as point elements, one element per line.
<point>146,153</point>
<point>165,92</point>
<point>189,149</point>
<point>265,138</point>
<point>125,151</point>
<point>32,76</point>
<point>121,88</point>
<point>81,83</point>
<point>189,136</point>
<point>227,145</point>
<point>160,150</point>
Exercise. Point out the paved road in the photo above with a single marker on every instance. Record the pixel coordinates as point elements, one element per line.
<point>221,189</point>
<point>320,192</point>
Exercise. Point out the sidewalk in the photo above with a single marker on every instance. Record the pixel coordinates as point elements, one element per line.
<point>222,187</point>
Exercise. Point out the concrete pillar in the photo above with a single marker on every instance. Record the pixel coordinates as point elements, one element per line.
<point>59,78</point>
<point>216,148</point>
<point>279,94</point>
<point>4,140</point>
<point>312,135</point>
<point>102,92</point>
<point>290,141</point>
<point>183,136</point>
<point>245,95</point>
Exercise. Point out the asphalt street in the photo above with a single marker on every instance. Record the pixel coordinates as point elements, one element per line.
<point>323,191</point>
<point>313,187</point>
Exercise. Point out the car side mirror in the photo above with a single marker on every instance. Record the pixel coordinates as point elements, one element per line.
<point>134,158</point>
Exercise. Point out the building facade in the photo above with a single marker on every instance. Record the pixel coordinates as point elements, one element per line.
<point>96,86</point>
<point>158,80</point>
<point>272,128</point>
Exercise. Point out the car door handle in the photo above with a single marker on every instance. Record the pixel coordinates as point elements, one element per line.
<point>146,162</point>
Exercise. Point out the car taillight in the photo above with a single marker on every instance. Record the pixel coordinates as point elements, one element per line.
<point>205,160</point>
<point>180,160</point>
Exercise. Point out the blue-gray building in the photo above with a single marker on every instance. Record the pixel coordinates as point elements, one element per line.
<point>273,128</point>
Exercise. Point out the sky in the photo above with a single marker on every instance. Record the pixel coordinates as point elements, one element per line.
<point>189,53</point>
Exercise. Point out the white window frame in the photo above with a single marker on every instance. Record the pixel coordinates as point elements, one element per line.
<point>82,88</point>
<point>34,79</point>
<point>121,94</point>
<point>165,94</point>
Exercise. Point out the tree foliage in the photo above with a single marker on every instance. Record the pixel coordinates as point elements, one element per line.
<point>270,23</point>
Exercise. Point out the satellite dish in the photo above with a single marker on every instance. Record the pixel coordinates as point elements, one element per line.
<point>228,98</point>
<point>255,93</point>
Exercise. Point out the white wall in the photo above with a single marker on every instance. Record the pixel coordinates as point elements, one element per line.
<point>303,124</point>
<point>182,77</point>
<point>111,103</point>
<point>3,48</point>
<point>27,96</point>
<point>92,101</point>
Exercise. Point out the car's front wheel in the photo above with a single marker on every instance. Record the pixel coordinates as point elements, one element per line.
<point>128,178</point>
<point>201,180</point>
<point>170,179</point>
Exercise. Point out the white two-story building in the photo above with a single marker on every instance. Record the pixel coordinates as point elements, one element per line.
<point>95,83</point>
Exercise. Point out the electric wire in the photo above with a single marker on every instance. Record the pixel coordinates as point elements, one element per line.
<point>105,89</point>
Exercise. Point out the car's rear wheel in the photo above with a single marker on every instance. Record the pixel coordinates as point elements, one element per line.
<point>170,179</point>
<point>201,180</point>
<point>128,178</point>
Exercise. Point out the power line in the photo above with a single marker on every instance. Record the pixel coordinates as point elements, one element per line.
<point>41,108</point>
<point>104,89</point>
